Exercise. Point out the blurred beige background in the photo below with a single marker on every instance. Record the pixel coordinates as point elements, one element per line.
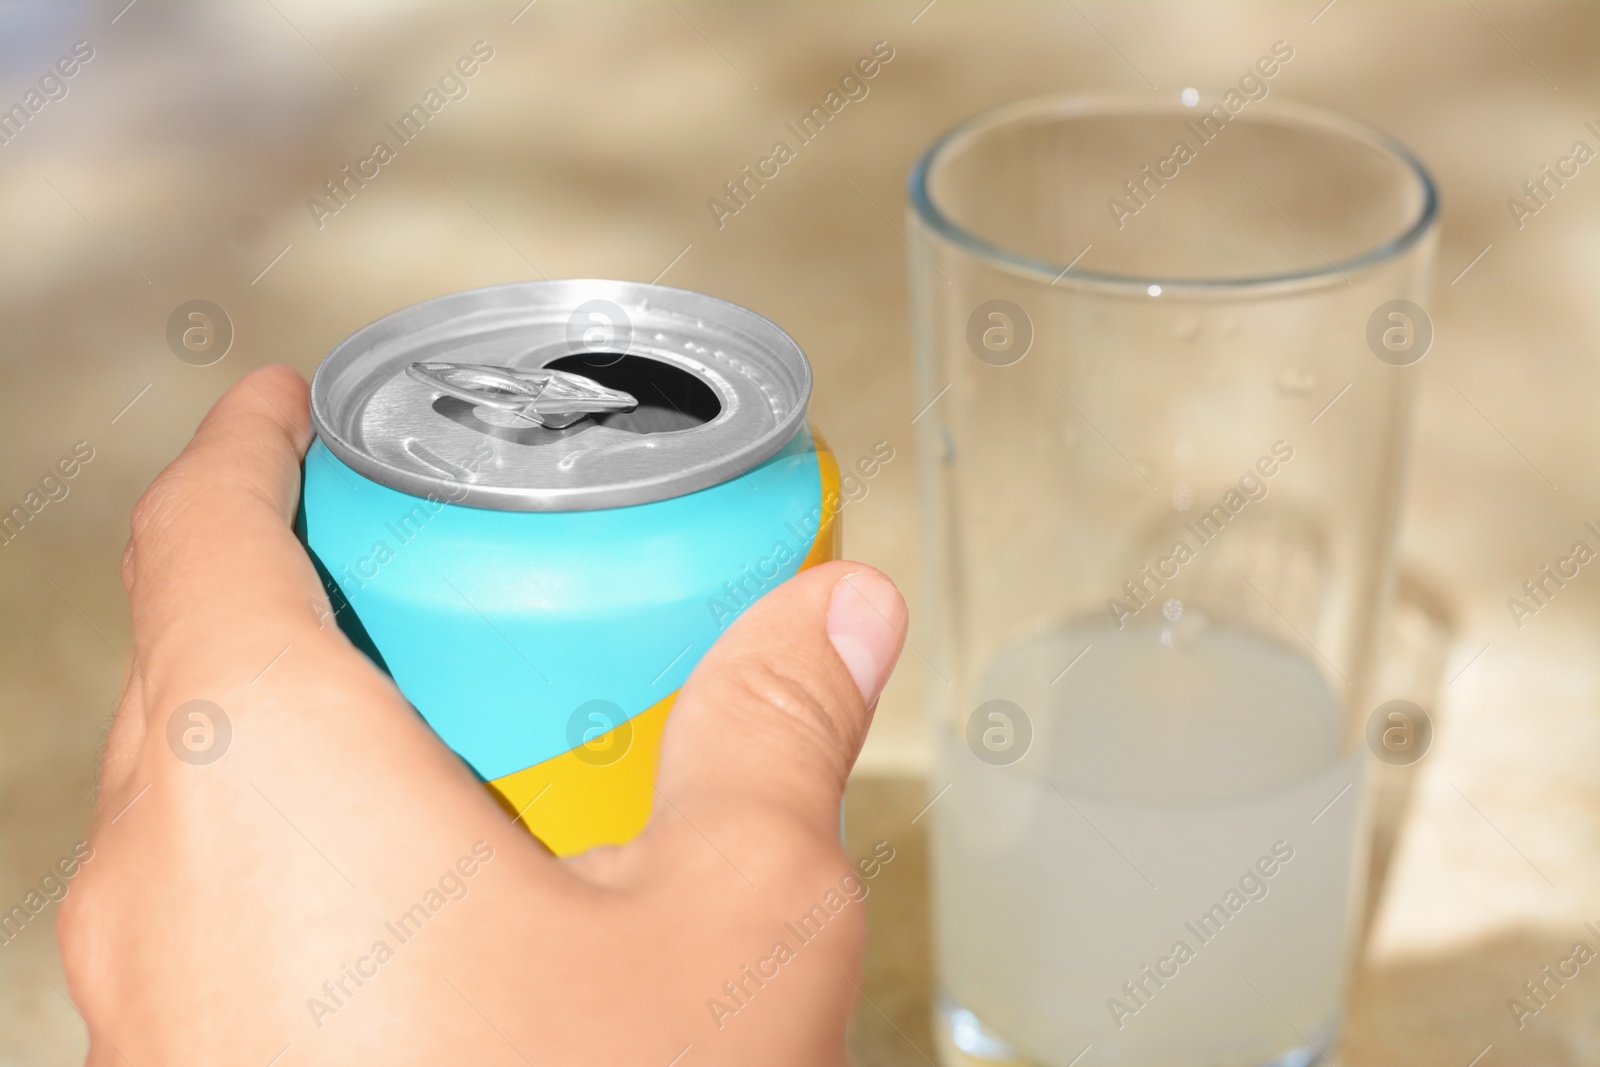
<point>178,167</point>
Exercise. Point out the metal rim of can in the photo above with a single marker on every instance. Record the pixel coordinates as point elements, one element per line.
<point>759,374</point>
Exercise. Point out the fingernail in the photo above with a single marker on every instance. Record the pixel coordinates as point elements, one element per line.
<point>866,621</point>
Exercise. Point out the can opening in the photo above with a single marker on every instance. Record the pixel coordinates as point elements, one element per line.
<point>670,398</point>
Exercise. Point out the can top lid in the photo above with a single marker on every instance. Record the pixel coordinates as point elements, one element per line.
<point>565,395</point>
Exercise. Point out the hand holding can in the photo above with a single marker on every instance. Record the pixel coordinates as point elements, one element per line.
<point>336,888</point>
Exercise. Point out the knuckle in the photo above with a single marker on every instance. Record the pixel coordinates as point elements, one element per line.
<point>127,567</point>
<point>154,508</point>
<point>825,864</point>
<point>821,877</point>
<point>74,928</point>
<point>800,707</point>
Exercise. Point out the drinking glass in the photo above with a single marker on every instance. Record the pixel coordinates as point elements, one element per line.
<point>1167,349</point>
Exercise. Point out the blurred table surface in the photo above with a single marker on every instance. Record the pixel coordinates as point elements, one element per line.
<point>179,166</point>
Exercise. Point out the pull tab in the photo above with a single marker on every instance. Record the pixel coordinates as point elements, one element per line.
<point>553,398</point>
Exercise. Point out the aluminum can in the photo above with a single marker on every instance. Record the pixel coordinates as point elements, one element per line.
<point>536,506</point>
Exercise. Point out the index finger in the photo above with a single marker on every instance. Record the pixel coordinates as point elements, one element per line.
<point>217,581</point>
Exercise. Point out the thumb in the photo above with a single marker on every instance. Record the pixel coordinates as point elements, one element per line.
<point>767,727</point>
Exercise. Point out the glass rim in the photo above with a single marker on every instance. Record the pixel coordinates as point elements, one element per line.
<point>1081,104</point>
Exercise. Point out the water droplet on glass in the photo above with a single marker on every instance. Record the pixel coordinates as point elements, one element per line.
<point>1172,611</point>
<point>1182,626</point>
<point>1154,290</point>
<point>1190,97</point>
<point>1295,381</point>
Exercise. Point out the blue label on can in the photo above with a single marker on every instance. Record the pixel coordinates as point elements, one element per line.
<point>500,625</point>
